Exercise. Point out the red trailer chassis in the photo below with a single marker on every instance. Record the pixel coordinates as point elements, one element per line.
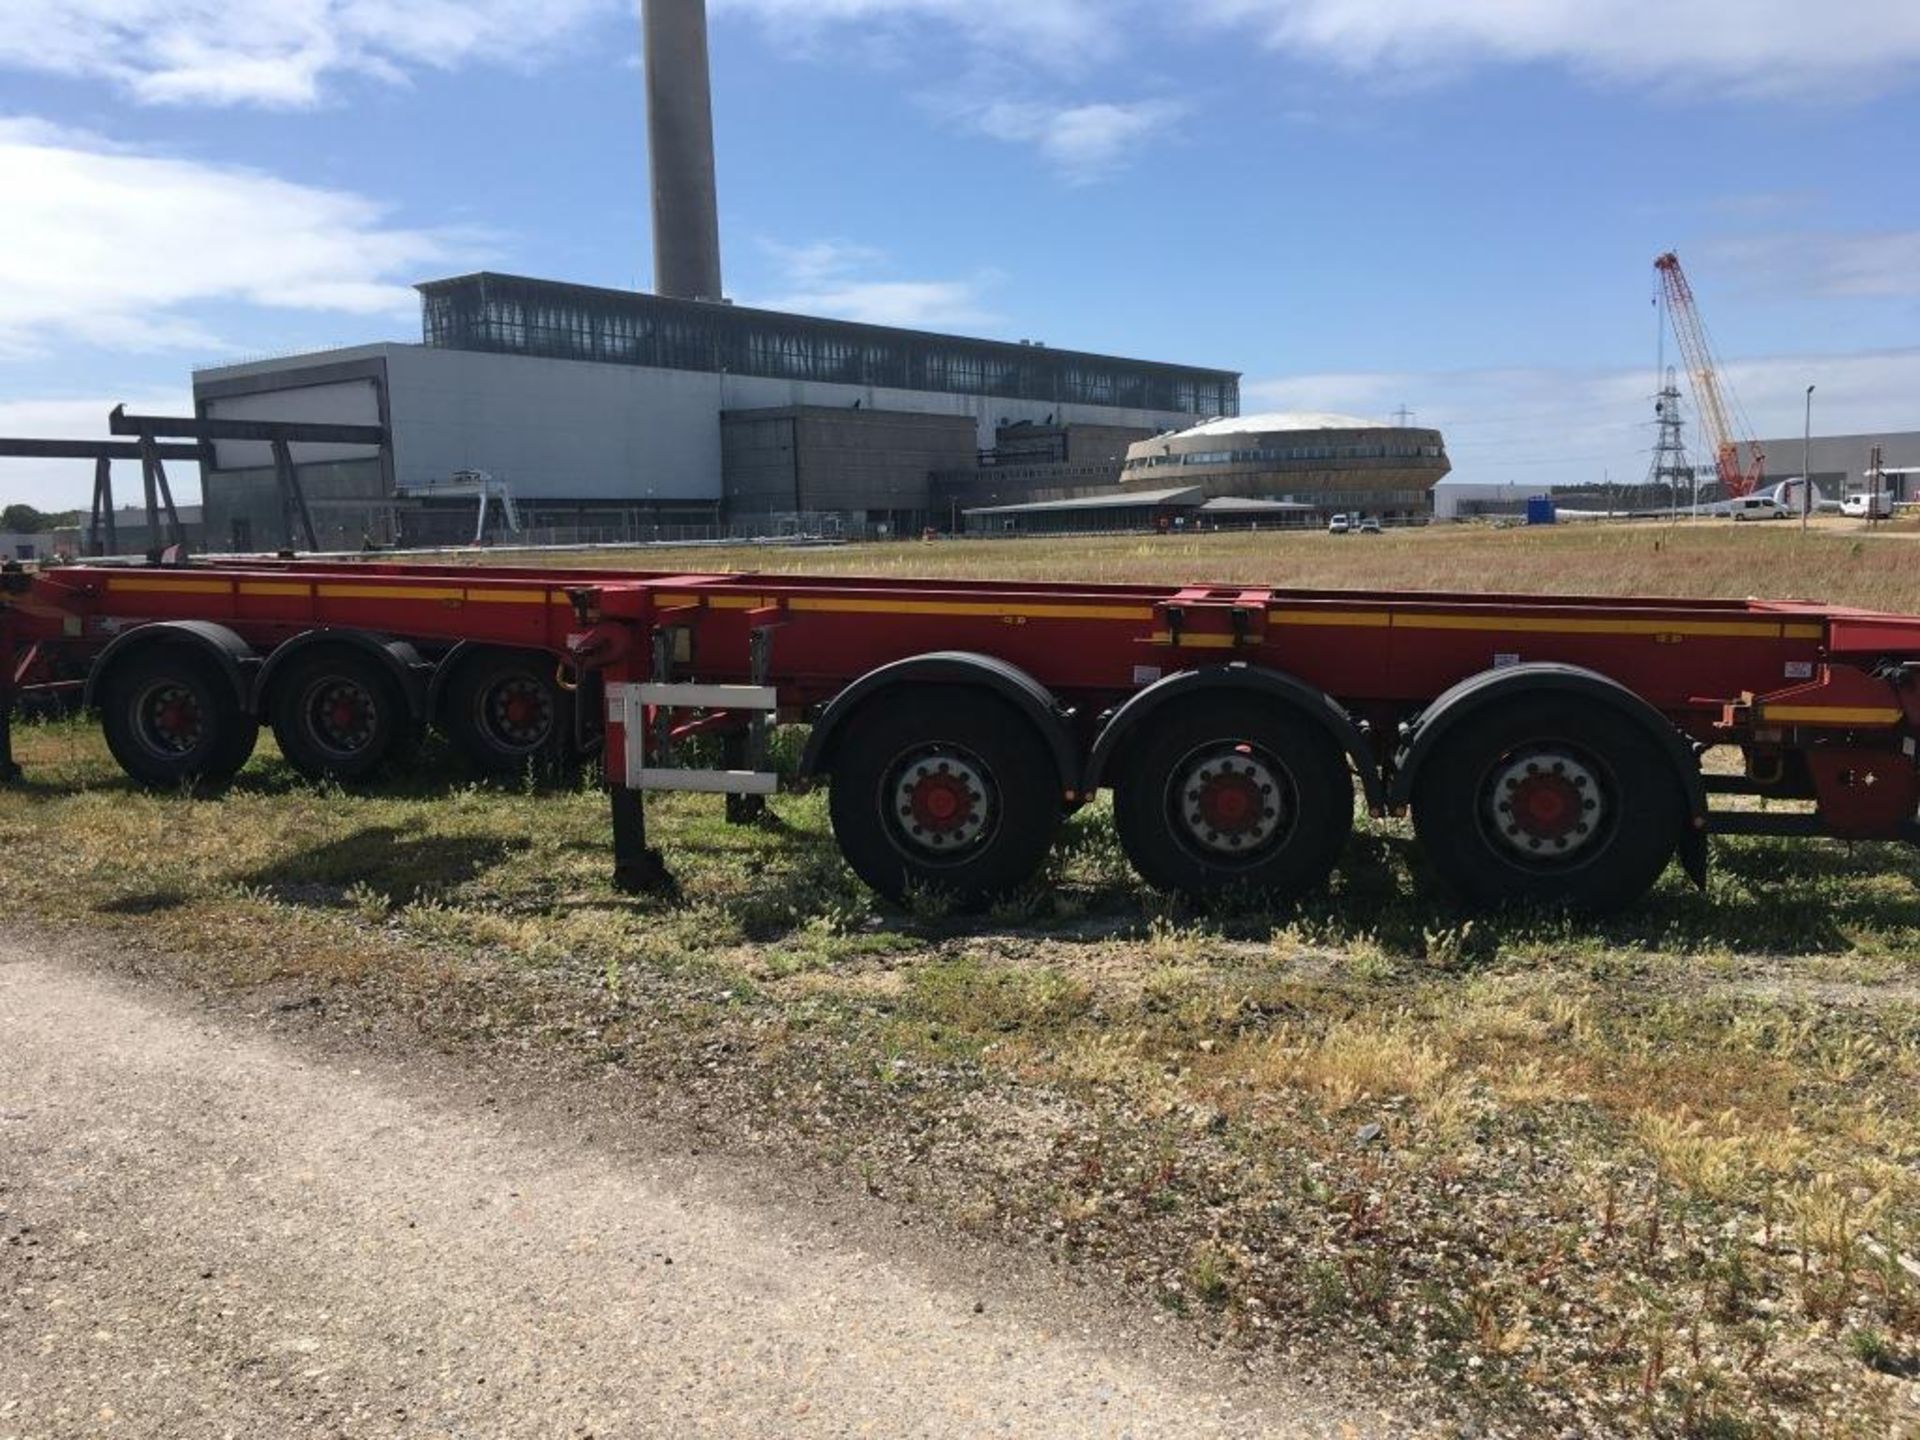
<point>1547,747</point>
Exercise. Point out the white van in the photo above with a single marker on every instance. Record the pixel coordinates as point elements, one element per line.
<point>1758,507</point>
<point>1880,506</point>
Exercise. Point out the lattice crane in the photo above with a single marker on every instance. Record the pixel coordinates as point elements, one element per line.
<point>1716,413</point>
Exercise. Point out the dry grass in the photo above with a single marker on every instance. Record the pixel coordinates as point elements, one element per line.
<point>1834,561</point>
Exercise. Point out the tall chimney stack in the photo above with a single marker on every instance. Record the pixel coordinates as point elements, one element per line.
<point>686,211</point>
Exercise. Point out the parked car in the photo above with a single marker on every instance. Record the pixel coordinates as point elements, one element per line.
<point>1758,507</point>
<point>1880,506</point>
<point>1340,525</point>
<point>1369,525</point>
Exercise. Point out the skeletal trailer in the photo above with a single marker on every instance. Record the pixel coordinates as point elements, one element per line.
<point>1548,748</point>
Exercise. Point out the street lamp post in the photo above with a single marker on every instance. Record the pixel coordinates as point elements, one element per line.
<point>1806,464</point>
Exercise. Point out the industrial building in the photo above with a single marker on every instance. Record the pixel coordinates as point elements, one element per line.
<point>1333,463</point>
<point>637,414</point>
<point>1839,463</point>
<point>132,533</point>
<point>26,545</point>
<point>608,415</point>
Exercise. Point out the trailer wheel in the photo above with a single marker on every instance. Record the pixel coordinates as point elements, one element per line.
<point>505,712</point>
<point>944,788</point>
<point>171,718</point>
<point>338,714</point>
<point>1234,794</point>
<point>1550,800</point>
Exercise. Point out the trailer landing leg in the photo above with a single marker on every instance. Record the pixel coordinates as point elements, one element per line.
<point>637,870</point>
<point>9,772</point>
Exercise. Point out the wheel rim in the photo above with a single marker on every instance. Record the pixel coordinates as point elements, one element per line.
<point>342,715</point>
<point>1546,805</point>
<point>516,713</point>
<point>1231,801</point>
<point>941,804</point>
<point>169,719</point>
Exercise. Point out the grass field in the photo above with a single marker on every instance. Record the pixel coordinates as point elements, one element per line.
<point>1656,1176</point>
<point>1834,561</point>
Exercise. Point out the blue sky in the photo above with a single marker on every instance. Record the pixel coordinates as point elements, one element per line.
<point>1358,203</point>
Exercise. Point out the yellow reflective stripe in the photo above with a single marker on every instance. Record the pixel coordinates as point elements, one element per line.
<point>994,608</point>
<point>1732,629</point>
<point>170,585</point>
<point>1365,619</point>
<point>1305,619</point>
<point>1830,714</point>
<point>714,602</point>
<point>1196,642</point>
<point>261,587</point>
<point>387,592</point>
<point>507,597</point>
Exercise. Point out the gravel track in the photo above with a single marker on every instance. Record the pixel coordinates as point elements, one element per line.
<point>207,1230</point>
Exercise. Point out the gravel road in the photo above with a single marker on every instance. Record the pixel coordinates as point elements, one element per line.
<point>207,1229</point>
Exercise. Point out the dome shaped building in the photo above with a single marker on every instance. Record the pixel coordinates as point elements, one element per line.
<point>1334,463</point>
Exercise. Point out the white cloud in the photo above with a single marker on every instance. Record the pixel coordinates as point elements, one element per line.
<point>282,53</point>
<point>997,46</point>
<point>125,249</point>
<point>1541,426</point>
<point>56,485</point>
<point>821,260</point>
<point>1829,266</point>
<point>1053,32</point>
<point>838,279</point>
<point>1755,46</point>
<point>1085,142</point>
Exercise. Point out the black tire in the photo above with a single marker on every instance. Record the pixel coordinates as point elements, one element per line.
<point>505,712</point>
<point>338,714</point>
<point>1606,816</point>
<point>172,717</point>
<point>982,775</point>
<point>1200,777</point>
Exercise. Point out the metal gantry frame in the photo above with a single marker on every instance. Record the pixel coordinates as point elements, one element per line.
<point>279,435</point>
<point>152,457</point>
<point>147,442</point>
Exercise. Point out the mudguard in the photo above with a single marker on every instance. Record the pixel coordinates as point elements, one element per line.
<point>233,655</point>
<point>1191,686</point>
<point>950,667</point>
<point>398,657</point>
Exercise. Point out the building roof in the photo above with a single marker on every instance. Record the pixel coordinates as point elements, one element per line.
<point>1277,421</point>
<point>1185,495</point>
<point>518,315</point>
<point>1248,505</point>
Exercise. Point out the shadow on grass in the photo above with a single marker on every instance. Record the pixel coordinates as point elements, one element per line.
<point>1766,898</point>
<point>153,902</point>
<point>384,860</point>
<point>430,771</point>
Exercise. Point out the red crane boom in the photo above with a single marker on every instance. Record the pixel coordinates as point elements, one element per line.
<point>1715,413</point>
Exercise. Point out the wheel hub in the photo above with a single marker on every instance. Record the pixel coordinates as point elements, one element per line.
<point>1229,800</point>
<point>173,719</point>
<point>344,715</point>
<point>1546,806</point>
<point>942,803</point>
<point>520,712</point>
